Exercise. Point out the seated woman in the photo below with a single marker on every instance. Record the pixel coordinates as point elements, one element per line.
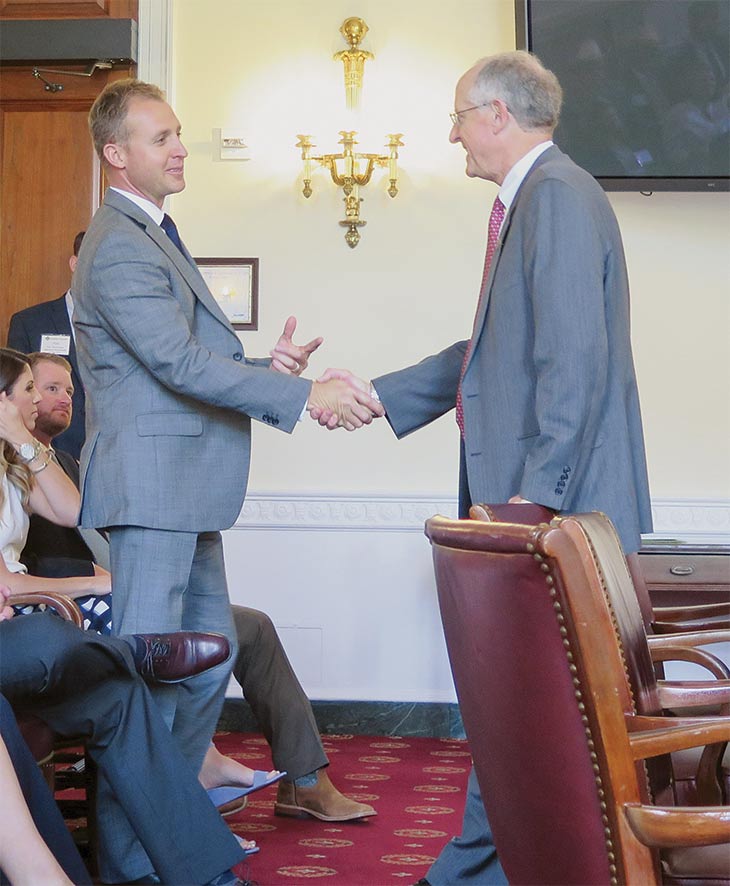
<point>31,482</point>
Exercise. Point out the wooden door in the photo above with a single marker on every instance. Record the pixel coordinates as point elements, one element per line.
<point>55,9</point>
<point>49,181</point>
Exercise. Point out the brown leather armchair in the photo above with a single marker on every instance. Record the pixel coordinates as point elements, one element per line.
<point>558,743</point>
<point>675,779</point>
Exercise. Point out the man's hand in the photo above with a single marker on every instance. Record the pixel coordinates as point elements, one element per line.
<point>289,358</point>
<point>329,419</point>
<point>6,611</point>
<point>336,402</point>
<point>518,500</point>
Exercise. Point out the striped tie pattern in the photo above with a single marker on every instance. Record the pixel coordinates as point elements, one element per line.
<point>496,218</point>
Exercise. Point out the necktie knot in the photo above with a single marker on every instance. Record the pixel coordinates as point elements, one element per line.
<point>170,228</point>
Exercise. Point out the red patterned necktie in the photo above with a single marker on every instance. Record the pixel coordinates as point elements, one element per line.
<point>495,223</point>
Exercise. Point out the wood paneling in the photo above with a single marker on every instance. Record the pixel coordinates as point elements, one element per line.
<point>55,9</point>
<point>49,186</point>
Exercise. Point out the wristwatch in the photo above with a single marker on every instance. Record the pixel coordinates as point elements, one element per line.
<point>29,451</point>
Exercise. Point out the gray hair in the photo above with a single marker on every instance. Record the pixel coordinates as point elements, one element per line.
<point>530,91</point>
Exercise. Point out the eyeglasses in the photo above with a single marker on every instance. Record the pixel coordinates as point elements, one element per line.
<point>456,115</point>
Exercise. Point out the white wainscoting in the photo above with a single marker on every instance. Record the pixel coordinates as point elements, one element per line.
<point>348,582</point>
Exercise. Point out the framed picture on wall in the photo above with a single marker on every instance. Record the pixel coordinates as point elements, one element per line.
<point>234,283</point>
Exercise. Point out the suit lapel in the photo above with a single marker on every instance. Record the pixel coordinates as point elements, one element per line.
<point>481,316</point>
<point>58,315</point>
<point>184,263</point>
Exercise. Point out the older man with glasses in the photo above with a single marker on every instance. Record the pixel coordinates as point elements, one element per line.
<point>544,389</point>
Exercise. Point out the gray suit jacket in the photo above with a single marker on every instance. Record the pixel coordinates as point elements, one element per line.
<point>169,390</point>
<point>551,406</point>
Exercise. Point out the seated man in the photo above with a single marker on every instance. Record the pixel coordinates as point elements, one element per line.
<point>48,325</point>
<point>268,681</point>
<point>83,684</point>
<point>53,551</point>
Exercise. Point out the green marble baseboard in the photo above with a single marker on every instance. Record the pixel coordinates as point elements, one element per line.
<point>425,719</point>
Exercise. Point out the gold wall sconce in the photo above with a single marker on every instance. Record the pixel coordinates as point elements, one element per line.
<point>353,30</point>
<point>351,170</point>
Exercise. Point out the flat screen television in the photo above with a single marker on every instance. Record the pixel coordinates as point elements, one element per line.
<point>646,83</point>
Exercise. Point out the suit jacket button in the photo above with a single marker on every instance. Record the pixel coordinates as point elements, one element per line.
<point>238,357</point>
<point>558,491</point>
<point>566,469</point>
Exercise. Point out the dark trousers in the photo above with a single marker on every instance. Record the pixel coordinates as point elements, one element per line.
<point>40,802</point>
<point>83,684</point>
<point>277,699</point>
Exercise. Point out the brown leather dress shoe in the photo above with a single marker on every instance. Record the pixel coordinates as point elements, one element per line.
<point>321,800</point>
<point>171,658</point>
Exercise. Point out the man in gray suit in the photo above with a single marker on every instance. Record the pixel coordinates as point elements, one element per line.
<point>170,397</point>
<point>544,390</point>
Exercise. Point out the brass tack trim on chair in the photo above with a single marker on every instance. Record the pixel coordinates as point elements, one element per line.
<point>560,618</point>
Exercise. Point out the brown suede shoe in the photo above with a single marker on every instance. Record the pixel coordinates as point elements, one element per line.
<point>322,801</point>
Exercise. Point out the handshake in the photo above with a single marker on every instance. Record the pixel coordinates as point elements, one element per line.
<point>338,398</point>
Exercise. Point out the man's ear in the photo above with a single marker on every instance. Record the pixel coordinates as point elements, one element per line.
<point>501,114</point>
<point>114,155</point>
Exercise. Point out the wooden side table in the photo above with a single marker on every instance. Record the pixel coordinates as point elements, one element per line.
<point>684,574</point>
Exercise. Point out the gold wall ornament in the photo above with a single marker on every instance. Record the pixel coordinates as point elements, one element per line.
<point>351,170</point>
<point>353,30</point>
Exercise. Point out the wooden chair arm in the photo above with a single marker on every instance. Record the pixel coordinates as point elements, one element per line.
<point>700,657</point>
<point>682,627</point>
<point>688,613</point>
<point>647,739</point>
<point>664,827</point>
<point>691,693</point>
<point>690,638</point>
<point>63,605</point>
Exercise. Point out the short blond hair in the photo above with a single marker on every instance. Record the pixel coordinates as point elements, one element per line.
<point>108,114</point>
<point>42,357</point>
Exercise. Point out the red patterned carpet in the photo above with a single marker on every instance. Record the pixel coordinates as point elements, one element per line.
<point>417,785</point>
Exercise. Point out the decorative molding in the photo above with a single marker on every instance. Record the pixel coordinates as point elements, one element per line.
<point>345,513</point>
<point>693,519</point>
<point>154,51</point>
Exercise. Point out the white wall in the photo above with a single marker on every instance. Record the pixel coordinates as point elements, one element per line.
<point>358,605</point>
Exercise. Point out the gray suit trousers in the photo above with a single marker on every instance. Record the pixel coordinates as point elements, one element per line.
<point>170,581</point>
<point>470,858</point>
<point>277,699</point>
